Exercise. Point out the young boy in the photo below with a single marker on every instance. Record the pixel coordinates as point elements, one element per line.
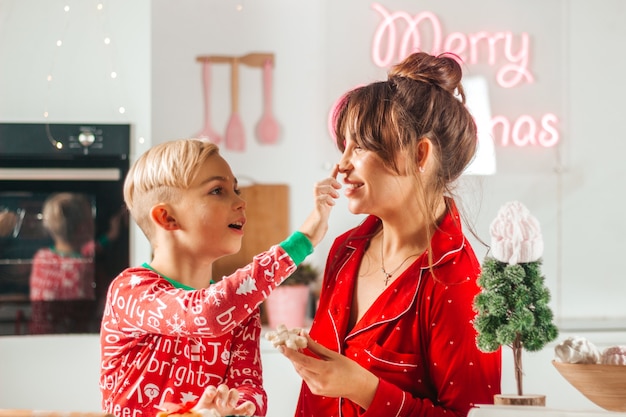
<point>169,331</point>
<point>62,277</point>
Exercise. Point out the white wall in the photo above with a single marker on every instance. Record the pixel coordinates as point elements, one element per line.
<point>322,48</point>
<point>570,188</point>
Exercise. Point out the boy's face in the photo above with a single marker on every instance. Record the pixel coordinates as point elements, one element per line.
<point>211,213</point>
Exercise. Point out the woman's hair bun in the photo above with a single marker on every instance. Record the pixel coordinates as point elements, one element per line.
<point>442,71</point>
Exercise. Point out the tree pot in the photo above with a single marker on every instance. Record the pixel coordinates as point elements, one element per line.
<point>514,399</point>
<point>287,305</point>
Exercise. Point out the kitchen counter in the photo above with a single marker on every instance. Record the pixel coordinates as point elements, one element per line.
<point>31,368</point>
<point>532,411</point>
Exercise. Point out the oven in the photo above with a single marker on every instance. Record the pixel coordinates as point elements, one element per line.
<point>63,226</point>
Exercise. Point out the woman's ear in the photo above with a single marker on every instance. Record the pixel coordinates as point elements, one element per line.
<point>424,153</point>
<point>162,216</point>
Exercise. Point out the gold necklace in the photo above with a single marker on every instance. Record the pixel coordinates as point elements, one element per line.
<point>388,275</point>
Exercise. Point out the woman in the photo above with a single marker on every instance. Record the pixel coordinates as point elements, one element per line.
<point>393,335</point>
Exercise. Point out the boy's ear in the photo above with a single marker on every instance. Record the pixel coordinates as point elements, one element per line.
<point>162,216</point>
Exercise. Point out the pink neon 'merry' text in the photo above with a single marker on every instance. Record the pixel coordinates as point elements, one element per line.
<point>390,46</point>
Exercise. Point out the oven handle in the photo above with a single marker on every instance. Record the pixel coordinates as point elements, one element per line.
<point>60,174</point>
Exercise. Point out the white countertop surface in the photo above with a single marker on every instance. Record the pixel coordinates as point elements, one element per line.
<point>534,411</point>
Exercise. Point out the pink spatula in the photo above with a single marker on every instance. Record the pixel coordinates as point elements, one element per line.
<point>267,129</point>
<point>235,134</point>
<point>207,131</point>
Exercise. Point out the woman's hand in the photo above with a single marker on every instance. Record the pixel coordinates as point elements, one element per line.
<point>332,374</point>
<point>224,401</point>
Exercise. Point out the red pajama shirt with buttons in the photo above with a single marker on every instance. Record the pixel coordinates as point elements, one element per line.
<point>417,337</point>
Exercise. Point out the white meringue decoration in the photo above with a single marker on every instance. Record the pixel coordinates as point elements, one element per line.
<point>285,337</point>
<point>577,349</point>
<point>614,355</point>
<point>515,235</point>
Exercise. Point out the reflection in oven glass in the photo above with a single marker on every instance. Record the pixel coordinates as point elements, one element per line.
<point>47,261</point>
<point>63,271</point>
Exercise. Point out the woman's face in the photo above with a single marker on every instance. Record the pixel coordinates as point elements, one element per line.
<point>373,187</point>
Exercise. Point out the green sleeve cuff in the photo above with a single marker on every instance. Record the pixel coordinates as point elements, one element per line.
<point>297,246</point>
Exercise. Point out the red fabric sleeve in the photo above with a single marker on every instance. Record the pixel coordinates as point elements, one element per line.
<point>245,372</point>
<point>140,301</point>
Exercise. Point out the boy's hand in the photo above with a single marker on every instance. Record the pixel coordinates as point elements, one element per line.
<point>222,401</point>
<point>8,219</point>
<point>316,225</point>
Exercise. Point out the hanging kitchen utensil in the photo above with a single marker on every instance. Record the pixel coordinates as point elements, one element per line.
<point>267,129</point>
<point>207,131</point>
<point>235,133</point>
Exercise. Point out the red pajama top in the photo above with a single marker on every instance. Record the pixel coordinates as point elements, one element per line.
<point>417,336</point>
<point>56,276</point>
<point>162,342</point>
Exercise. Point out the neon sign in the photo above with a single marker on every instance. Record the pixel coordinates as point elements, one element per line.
<point>526,131</point>
<point>390,46</point>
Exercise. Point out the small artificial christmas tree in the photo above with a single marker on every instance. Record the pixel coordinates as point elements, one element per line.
<point>512,308</point>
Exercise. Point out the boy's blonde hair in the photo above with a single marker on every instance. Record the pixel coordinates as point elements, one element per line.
<point>68,217</point>
<point>160,174</point>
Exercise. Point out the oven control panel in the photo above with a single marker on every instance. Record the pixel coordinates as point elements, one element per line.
<point>61,140</point>
<point>86,137</point>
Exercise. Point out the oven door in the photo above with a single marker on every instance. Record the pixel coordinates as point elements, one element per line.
<point>24,237</point>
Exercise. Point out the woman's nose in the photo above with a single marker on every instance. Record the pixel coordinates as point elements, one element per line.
<point>344,162</point>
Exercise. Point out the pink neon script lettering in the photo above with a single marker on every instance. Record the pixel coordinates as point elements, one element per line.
<point>390,46</point>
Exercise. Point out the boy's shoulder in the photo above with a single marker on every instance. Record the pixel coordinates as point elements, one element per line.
<point>137,275</point>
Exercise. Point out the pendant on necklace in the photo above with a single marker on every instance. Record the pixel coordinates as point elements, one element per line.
<point>387,276</point>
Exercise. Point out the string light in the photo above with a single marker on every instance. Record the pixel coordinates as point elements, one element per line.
<point>113,72</point>
<point>106,39</point>
<point>49,77</point>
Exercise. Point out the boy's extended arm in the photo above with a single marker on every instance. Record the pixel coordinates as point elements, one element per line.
<point>316,225</point>
<point>141,301</point>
